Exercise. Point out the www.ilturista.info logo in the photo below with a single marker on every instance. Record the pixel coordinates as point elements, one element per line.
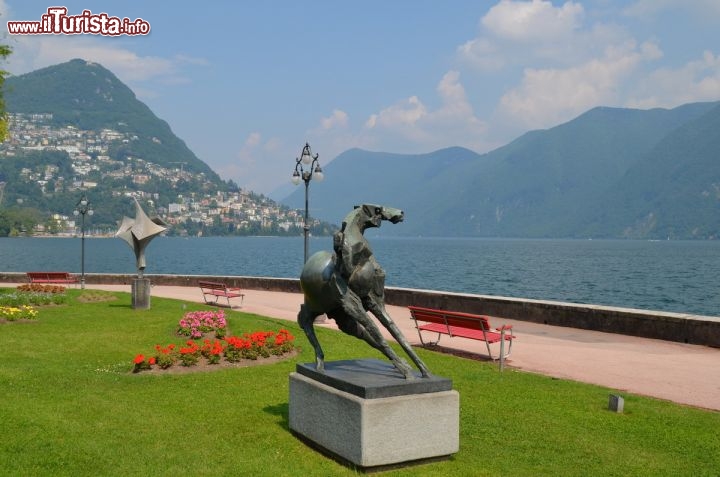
<point>57,22</point>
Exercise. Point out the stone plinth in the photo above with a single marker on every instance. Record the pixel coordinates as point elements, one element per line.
<point>366,413</point>
<point>141,293</point>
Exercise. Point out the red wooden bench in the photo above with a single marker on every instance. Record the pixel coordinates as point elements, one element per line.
<point>465,325</point>
<point>215,290</point>
<point>55,278</point>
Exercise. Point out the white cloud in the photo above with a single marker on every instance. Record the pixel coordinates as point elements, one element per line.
<point>253,140</point>
<point>519,33</point>
<point>551,95</point>
<point>258,162</point>
<point>145,74</point>
<point>569,67</point>
<point>698,80</point>
<point>413,124</point>
<point>338,119</point>
<point>408,125</point>
<point>531,21</point>
<point>483,54</point>
<point>249,149</point>
<point>401,114</point>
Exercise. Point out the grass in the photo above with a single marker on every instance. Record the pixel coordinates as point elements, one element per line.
<point>69,405</point>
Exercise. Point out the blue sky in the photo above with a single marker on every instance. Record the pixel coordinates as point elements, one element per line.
<point>246,83</point>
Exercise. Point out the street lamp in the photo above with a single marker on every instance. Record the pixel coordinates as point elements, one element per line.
<point>82,208</point>
<point>313,170</point>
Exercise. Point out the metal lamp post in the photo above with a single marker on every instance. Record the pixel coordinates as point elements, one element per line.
<point>306,160</point>
<point>82,208</point>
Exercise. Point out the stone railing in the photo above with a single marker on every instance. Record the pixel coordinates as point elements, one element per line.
<point>685,328</point>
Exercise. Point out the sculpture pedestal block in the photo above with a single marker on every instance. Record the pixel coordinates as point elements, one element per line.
<point>401,421</point>
<point>141,293</point>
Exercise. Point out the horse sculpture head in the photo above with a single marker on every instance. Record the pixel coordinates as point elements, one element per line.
<point>371,215</point>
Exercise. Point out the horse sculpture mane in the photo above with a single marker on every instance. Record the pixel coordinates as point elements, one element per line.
<point>348,283</point>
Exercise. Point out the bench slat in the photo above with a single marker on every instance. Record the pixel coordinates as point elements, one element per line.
<point>222,293</point>
<point>475,322</point>
<point>489,336</point>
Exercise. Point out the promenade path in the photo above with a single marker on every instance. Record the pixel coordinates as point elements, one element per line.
<point>678,372</point>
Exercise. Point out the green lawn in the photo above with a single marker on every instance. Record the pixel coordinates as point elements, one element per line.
<point>69,405</point>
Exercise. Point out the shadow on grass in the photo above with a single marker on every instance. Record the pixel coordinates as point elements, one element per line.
<point>281,410</point>
<point>456,352</point>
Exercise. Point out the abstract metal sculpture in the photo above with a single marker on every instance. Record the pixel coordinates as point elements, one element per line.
<point>345,285</point>
<point>138,233</point>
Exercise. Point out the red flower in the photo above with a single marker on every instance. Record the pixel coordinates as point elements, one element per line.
<point>151,361</point>
<point>139,359</point>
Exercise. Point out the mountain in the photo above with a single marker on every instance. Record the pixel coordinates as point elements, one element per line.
<point>590,177</point>
<point>357,176</point>
<point>77,131</point>
<point>671,191</point>
<point>88,96</point>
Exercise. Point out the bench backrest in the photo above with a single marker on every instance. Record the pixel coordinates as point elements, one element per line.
<point>212,285</point>
<point>50,275</point>
<point>450,318</point>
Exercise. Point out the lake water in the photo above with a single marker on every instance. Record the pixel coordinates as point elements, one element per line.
<point>680,276</point>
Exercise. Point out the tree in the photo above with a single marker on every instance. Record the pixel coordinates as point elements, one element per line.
<point>15,221</point>
<point>4,53</point>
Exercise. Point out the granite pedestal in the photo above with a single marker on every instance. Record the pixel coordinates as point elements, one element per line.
<point>368,414</point>
<point>141,293</point>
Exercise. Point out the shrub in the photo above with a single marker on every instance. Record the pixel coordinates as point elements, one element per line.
<point>212,351</point>
<point>142,363</point>
<point>190,354</point>
<point>166,356</point>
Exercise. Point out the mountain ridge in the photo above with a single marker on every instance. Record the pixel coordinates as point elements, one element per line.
<point>552,183</point>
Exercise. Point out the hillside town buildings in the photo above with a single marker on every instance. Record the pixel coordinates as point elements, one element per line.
<point>90,152</point>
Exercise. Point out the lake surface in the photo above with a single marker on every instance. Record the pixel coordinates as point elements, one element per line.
<point>680,276</point>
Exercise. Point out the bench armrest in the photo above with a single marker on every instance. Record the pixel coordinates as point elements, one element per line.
<point>504,327</point>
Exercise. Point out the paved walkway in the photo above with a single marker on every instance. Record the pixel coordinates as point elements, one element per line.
<point>683,373</point>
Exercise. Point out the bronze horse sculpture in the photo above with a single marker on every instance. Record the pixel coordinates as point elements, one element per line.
<point>345,285</point>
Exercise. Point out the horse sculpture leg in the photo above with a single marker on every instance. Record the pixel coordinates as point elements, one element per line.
<point>381,314</point>
<point>305,319</point>
<point>352,319</point>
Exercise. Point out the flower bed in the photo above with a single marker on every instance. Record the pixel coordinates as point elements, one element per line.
<point>36,295</point>
<point>195,324</point>
<point>231,349</point>
<point>15,313</point>
<point>40,288</point>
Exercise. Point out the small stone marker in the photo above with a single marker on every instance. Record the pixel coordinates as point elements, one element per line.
<point>617,403</point>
